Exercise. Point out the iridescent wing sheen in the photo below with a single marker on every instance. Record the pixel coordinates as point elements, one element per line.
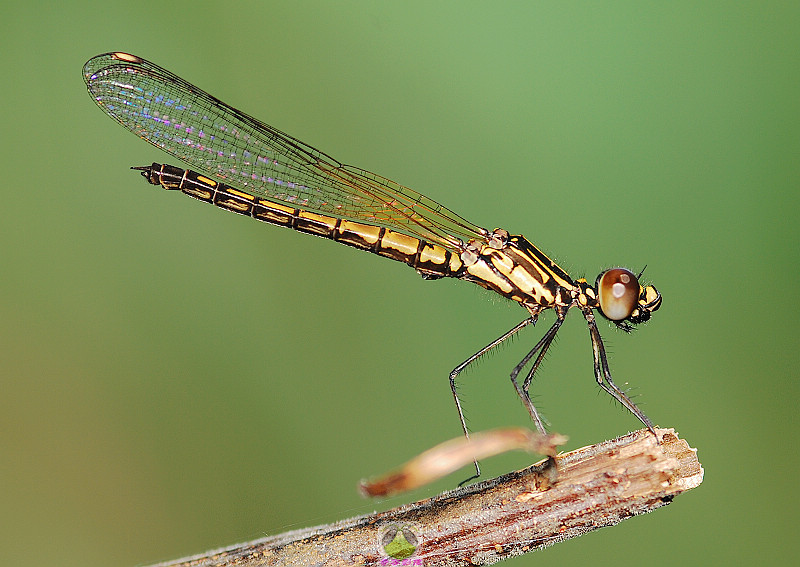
<point>219,140</point>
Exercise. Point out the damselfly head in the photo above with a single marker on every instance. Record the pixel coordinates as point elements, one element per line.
<point>622,298</point>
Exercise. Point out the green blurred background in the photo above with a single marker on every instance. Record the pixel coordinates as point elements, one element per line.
<point>176,379</point>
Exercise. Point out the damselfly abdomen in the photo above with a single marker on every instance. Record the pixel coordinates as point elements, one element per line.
<point>253,169</point>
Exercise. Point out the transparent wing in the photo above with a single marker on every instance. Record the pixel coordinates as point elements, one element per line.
<point>219,140</point>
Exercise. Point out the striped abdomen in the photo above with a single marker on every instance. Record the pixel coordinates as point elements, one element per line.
<point>430,260</point>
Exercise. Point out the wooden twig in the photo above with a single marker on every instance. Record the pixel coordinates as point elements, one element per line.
<point>480,524</point>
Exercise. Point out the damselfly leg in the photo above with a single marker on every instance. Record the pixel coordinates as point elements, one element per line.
<point>603,374</point>
<point>540,348</point>
<point>457,370</point>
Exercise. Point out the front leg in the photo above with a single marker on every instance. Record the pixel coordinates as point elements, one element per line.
<point>603,374</point>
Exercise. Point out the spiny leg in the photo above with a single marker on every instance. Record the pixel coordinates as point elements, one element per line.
<point>603,374</point>
<point>540,348</point>
<point>457,370</point>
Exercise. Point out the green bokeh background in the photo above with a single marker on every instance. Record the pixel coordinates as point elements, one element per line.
<point>176,379</point>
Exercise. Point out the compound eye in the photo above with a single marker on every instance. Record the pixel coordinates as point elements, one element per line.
<point>618,289</point>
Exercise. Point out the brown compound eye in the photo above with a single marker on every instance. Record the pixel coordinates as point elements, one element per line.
<point>618,290</point>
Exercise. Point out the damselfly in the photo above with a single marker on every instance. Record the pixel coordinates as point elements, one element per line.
<point>251,168</point>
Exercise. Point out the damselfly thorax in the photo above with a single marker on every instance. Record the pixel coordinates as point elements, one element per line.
<point>253,169</point>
